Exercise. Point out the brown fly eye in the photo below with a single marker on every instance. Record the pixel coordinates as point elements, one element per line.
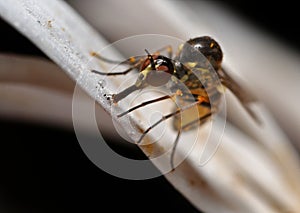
<point>164,64</point>
<point>163,71</point>
<point>163,68</point>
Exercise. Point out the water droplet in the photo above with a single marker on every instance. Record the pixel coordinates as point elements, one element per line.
<point>101,83</point>
<point>107,96</point>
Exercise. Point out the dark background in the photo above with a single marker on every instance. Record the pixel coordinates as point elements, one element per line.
<point>279,19</point>
<point>43,168</point>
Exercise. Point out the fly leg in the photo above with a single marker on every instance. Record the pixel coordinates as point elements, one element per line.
<point>202,119</point>
<point>134,63</point>
<point>146,103</point>
<point>244,97</point>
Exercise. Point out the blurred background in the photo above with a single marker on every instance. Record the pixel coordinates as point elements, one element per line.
<point>43,168</point>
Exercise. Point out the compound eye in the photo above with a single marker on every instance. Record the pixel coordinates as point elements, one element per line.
<point>164,64</point>
<point>163,68</point>
<point>163,71</point>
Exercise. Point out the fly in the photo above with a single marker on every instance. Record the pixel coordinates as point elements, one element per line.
<point>200,86</point>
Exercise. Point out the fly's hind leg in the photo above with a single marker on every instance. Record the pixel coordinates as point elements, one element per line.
<point>165,117</point>
<point>202,119</point>
<point>243,96</point>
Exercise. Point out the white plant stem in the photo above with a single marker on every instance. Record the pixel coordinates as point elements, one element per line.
<point>252,171</point>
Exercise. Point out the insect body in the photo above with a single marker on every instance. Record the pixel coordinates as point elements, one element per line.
<point>196,82</point>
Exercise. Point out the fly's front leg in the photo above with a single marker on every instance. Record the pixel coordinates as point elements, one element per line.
<point>134,63</point>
